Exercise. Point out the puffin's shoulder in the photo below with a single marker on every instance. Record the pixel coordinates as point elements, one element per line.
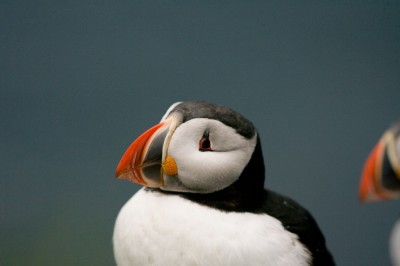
<point>299,221</point>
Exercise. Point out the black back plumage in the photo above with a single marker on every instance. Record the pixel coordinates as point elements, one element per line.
<point>299,221</point>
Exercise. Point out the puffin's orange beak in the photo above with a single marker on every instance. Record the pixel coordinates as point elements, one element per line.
<point>146,159</point>
<point>380,179</point>
<point>370,177</point>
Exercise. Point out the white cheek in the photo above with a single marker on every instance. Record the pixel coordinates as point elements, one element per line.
<point>208,171</point>
<point>212,171</point>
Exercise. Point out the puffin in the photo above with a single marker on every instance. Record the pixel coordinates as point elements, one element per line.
<point>380,179</point>
<point>203,200</point>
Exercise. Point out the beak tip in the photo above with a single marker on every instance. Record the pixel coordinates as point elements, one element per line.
<point>120,172</point>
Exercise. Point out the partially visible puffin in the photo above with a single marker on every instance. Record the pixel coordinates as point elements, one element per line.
<point>203,200</point>
<point>380,179</point>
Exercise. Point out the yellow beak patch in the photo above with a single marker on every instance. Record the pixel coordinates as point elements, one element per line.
<point>169,166</point>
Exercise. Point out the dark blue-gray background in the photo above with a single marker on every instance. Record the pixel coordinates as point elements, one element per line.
<point>80,80</point>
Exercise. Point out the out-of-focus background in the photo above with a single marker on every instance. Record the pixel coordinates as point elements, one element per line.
<point>80,80</point>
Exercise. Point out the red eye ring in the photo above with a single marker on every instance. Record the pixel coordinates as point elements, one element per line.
<point>205,143</point>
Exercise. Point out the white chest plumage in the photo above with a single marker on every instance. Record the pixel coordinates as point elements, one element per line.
<point>157,229</point>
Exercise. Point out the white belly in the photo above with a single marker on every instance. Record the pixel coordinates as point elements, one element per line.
<point>157,229</point>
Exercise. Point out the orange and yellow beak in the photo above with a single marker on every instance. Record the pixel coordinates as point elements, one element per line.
<point>380,179</point>
<point>146,159</point>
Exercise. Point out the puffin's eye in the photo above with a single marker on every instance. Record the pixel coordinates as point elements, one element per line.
<point>205,144</point>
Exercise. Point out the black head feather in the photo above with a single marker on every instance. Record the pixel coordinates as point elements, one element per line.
<point>199,109</point>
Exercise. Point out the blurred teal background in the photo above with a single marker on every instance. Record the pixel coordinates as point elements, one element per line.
<point>80,80</point>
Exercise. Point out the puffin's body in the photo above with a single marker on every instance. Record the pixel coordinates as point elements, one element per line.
<point>204,202</point>
<point>380,179</point>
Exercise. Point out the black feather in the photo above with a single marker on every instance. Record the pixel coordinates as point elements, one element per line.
<point>199,109</point>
